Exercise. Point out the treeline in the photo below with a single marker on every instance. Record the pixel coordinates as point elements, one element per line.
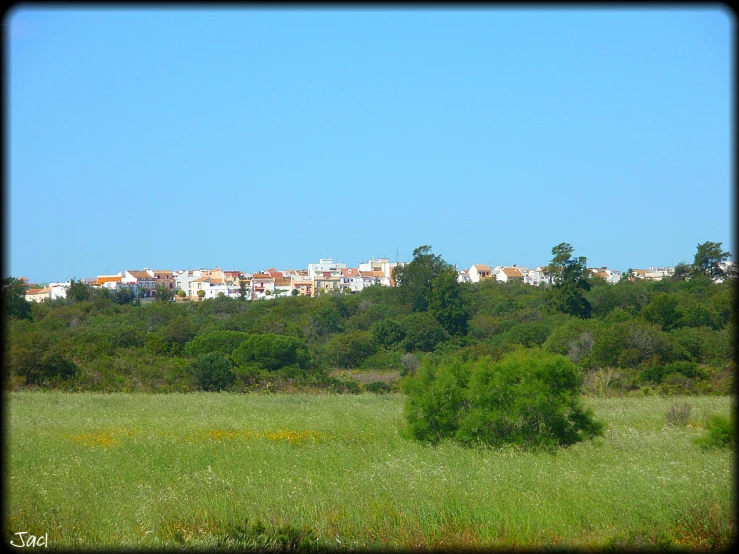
<point>673,335</point>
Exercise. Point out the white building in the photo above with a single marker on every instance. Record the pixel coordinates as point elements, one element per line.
<point>324,265</point>
<point>479,272</point>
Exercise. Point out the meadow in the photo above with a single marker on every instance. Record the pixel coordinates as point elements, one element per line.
<point>224,470</point>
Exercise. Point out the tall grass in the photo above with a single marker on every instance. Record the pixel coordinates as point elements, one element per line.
<point>220,470</point>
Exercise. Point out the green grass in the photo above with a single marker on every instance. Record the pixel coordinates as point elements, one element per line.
<point>276,471</point>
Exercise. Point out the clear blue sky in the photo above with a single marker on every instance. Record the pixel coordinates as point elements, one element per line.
<point>248,138</point>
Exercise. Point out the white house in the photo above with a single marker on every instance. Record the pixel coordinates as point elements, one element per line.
<point>611,276</point>
<point>480,272</point>
<point>537,276</point>
<point>368,279</point>
<point>506,274</point>
<point>261,283</point>
<point>346,281</point>
<point>141,279</point>
<point>381,264</point>
<point>58,290</point>
<point>325,264</point>
<point>38,295</point>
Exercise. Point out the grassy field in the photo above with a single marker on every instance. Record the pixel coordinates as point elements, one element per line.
<point>330,471</point>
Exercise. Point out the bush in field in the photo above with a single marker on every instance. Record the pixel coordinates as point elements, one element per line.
<point>378,387</point>
<point>529,398</point>
<point>384,359</point>
<point>213,371</point>
<point>37,356</point>
<point>215,341</point>
<point>271,351</point>
<point>657,373</point>
<point>679,414</point>
<point>721,433</point>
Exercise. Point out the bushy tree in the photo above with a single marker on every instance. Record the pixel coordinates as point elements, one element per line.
<point>79,291</point>
<point>349,350</point>
<point>708,260</point>
<point>662,310</point>
<point>36,355</point>
<point>271,351</point>
<point>213,371</point>
<point>422,333</point>
<point>567,294</point>
<point>164,294</point>
<point>215,341</point>
<point>388,332</point>
<point>528,397</point>
<point>14,300</point>
<point>449,303</point>
<point>415,279</point>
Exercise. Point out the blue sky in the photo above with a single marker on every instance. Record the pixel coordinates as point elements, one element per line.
<point>248,138</point>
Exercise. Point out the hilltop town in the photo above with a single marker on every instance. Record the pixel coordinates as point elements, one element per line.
<point>326,276</point>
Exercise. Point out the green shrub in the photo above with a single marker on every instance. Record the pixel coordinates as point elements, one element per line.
<point>213,371</point>
<point>215,341</point>
<point>529,397</point>
<point>388,332</point>
<point>435,397</point>
<point>349,350</point>
<point>384,359</point>
<point>271,351</point>
<point>377,387</point>
<point>658,373</point>
<point>422,333</point>
<point>721,433</point>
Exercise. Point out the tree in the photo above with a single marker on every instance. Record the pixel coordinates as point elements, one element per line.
<point>570,282</point>
<point>414,280</point>
<point>78,291</point>
<point>242,289</point>
<point>215,341</point>
<point>681,272</point>
<point>662,310</point>
<point>271,351</point>
<point>201,294</point>
<point>349,350</point>
<point>14,299</point>
<point>213,371</point>
<point>708,260</point>
<point>449,304</point>
<point>529,397</point>
<point>164,294</point>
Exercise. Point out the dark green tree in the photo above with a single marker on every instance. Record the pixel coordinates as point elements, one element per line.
<point>415,279</point>
<point>681,272</point>
<point>164,294</point>
<point>242,289</point>
<point>422,332</point>
<point>708,259</point>
<point>124,296</point>
<point>349,350</point>
<point>567,294</point>
<point>15,304</point>
<point>79,291</point>
<point>528,397</point>
<point>213,371</point>
<point>449,303</point>
<point>662,310</point>
<point>271,351</point>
